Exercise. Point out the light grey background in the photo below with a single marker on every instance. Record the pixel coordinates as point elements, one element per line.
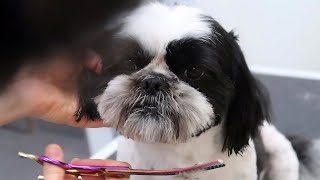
<point>295,104</point>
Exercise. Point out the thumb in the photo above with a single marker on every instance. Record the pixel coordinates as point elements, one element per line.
<point>52,172</point>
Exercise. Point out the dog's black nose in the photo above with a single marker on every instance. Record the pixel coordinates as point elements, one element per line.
<point>154,85</point>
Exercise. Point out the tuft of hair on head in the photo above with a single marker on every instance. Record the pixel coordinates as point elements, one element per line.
<point>234,35</point>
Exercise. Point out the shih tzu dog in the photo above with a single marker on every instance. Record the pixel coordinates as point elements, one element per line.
<point>177,87</point>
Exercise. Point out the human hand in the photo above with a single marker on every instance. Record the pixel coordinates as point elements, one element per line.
<point>52,172</point>
<point>49,91</point>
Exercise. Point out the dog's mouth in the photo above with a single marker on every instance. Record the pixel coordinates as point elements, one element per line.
<point>146,108</point>
<point>149,104</point>
<point>150,107</point>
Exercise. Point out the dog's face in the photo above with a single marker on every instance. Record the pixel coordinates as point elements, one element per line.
<point>174,74</point>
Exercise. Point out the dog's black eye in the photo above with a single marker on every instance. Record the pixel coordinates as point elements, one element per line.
<point>130,66</point>
<point>194,72</point>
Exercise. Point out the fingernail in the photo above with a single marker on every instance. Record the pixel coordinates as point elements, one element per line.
<point>54,151</point>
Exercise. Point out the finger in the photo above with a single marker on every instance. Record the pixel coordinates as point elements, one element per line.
<point>52,172</point>
<point>66,177</point>
<point>88,123</point>
<point>93,178</point>
<point>109,178</point>
<point>93,62</point>
<point>74,159</point>
<point>100,162</point>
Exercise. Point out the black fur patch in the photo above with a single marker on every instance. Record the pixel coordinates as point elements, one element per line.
<point>115,53</point>
<point>301,146</point>
<point>240,101</point>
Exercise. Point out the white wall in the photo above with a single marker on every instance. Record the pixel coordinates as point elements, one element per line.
<point>277,37</point>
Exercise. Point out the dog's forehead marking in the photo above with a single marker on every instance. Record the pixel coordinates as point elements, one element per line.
<point>158,65</point>
<point>155,25</point>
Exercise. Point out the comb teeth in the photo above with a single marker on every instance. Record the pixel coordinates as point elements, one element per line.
<point>125,170</point>
<point>211,167</point>
<point>214,166</point>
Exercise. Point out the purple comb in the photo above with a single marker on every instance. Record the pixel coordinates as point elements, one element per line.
<point>119,171</point>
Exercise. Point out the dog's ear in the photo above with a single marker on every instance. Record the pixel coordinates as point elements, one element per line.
<point>249,104</point>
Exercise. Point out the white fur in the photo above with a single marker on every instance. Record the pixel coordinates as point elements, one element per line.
<point>205,148</point>
<point>155,25</point>
<point>283,162</point>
